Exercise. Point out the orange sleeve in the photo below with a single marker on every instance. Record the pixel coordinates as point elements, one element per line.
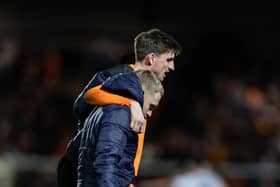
<point>139,151</point>
<point>97,96</point>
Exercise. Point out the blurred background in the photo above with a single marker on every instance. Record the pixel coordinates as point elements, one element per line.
<point>221,111</point>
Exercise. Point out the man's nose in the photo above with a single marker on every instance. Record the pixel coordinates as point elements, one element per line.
<point>149,113</point>
<point>171,65</point>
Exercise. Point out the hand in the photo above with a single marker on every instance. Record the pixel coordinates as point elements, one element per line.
<point>137,117</point>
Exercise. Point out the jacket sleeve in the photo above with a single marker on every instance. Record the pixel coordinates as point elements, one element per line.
<point>125,84</point>
<point>94,95</point>
<point>118,89</point>
<point>112,139</point>
<point>98,96</point>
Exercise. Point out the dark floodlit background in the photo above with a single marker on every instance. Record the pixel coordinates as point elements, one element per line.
<point>222,104</point>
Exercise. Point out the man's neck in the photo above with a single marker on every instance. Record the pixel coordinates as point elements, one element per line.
<point>139,65</point>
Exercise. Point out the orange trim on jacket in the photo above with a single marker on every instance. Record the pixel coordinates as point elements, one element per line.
<point>97,96</point>
<point>139,150</point>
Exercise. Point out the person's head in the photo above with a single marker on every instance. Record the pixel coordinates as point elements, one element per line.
<point>153,90</point>
<point>156,50</point>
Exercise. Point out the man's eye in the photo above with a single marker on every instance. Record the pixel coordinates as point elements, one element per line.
<point>170,59</point>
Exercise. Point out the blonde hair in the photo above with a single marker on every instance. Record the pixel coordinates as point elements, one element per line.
<point>150,82</point>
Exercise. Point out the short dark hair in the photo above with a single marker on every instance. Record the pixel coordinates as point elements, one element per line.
<point>154,41</point>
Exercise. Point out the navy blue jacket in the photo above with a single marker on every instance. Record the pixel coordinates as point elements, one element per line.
<point>108,145</point>
<point>66,169</point>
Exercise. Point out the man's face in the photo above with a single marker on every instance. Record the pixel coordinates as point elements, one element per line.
<point>163,64</point>
<point>151,101</point>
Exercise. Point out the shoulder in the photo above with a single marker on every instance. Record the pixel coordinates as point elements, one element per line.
<point>101,76</point>
<point>123,68</point>
<point>125,84</point>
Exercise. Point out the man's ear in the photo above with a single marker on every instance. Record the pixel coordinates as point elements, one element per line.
<point>150,59</point>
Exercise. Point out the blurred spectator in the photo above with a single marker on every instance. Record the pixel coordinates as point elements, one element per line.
<point>198,175</point>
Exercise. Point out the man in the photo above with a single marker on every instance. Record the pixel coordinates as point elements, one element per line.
<point>154,50</point>
<point>108,145</point>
